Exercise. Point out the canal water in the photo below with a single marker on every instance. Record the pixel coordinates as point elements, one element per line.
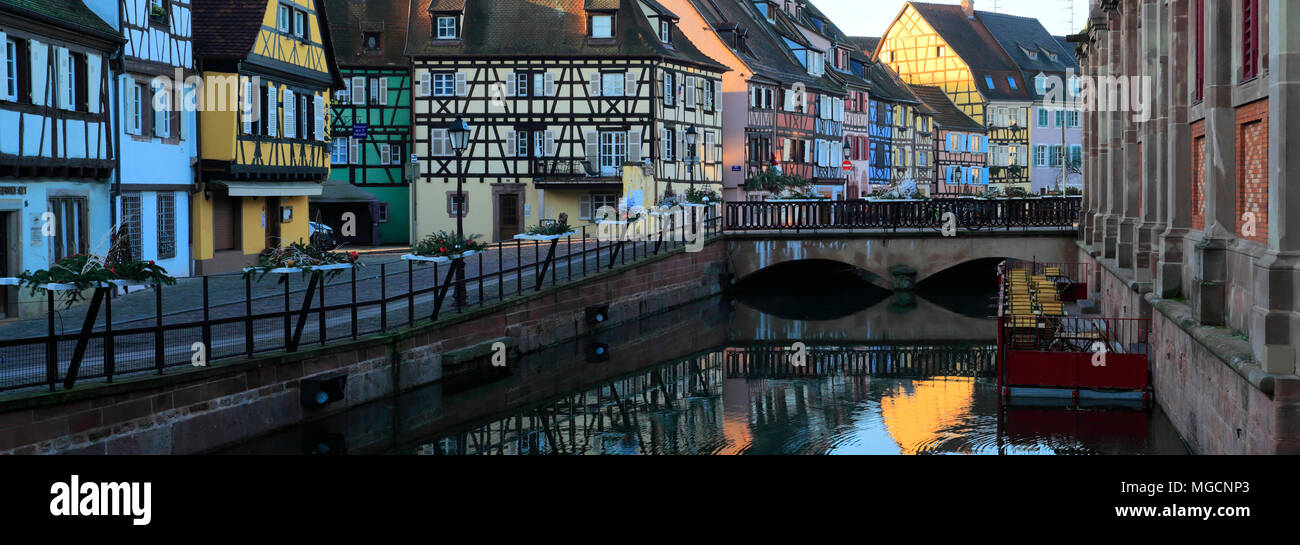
<point>830,364</point>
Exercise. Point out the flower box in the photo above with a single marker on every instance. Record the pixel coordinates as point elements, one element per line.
<point>540,238</point>
<point>877,199</point>
<point>310,268</point>
<point>11,282</point>
<point>437,259</point>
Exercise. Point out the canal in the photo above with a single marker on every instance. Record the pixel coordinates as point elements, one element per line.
<point>831,364</point>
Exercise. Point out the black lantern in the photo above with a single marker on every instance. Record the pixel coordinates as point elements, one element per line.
<point>692,137</point>
<point>459,133</point>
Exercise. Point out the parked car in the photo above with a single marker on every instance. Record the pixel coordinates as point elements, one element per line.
<point>322,236</point>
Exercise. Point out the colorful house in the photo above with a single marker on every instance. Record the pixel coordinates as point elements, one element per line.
<point>267,69</point>
<point>562,97</point>
<point>158,143</point>
<point>370,120</point>
<point>56,148</point>
<point>960,145</point>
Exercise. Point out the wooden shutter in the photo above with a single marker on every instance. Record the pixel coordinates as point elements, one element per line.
<point>634,146</point>
<point>462,86</point>
<point>319,104</point>
<point>592,141</point>
<point>354,149</point>
<point>549,143</point>
<point>717,96</point>
<point>548,81</point>
<point>290,115</point>
<point>629,83</point>
<point>358,91</point>
<point>593,84</point>
<point>426,83</point>
<point>1250,39</point>
<point>383,90</point>
<point>93,82</point>
<point>273,111</point>
<point>663,145</point>
<point>690,91</point>
<point>511,143</point>
<point>246,105</point>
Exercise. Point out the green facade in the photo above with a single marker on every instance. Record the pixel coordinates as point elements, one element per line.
<point>376,163</point>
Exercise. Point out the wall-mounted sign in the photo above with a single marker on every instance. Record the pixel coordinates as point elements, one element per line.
<point>359,130</point>
<point>735,168</point>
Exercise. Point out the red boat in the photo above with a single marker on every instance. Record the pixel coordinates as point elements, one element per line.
<point>1048,349</point>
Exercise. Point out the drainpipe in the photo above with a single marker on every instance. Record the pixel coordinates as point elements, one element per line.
<point>196,167</point>
<point>115,189</point>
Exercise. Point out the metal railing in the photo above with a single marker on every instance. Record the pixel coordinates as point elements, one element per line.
<point>970,214</point>
<point>231,325</point>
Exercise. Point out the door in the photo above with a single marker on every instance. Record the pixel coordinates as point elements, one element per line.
<point>508,215</point>
<point>613,153</point>
<point>273,222</point>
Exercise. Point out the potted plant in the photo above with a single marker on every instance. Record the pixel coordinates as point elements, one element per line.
<point>299,257</point>
<point>442,246</point>
<point>78,273</point>
<point>702,197</point>
<point>559,229</point>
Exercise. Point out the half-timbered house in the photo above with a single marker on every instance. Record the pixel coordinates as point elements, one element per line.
<point>892,117</point>
<point>56,145</point>
<point>370,121</point>
<point>960,147</point>
<point>561,96</point>
<point>157,168</point>
<point>264,153</point>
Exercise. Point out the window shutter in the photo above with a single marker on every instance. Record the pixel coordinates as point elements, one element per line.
<point>593,84</point>
<point>511,81</point>
<point>1250,39</point>
<point>549,143</point>
<point>374,91</point>
<point>462,86</point>
<point>708,147</point>
<point>592,141</point>
<point>629,83</point>
<point>1198,25</point>
<point>663,145</point>
<point>549,83</point>
<point>290,115</point>
<point>354,148</point>
<point>182,119</point>
<point>426,84</point>
<point>680,143</point>
<point>511,143</point>
<point>273,111</point>
<point>584,207</point>
<point>246,105</point>
<point>61,72</point>
<point>690,91</point>
<point>668,89</point>
<point>634,146</point>
<point>92,78</point>
<point>319,105</point>
<point>358,90</point>
<point>385,155</point>
<point>717,96</point>
<point>383,91</point>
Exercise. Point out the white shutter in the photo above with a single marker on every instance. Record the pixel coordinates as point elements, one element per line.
<point>711,145</point>
<point>183,113</point>
<point>629,83</point>
<point>462,87</point>
<point>162,124</point>
<point>549,143</point>
<point>246,105</point>
<point>93,81</point>
<point>511,81</point>
<point>426,83</point>
<point>663,145</point>
<point>358,90</point>
<point>680,143</point>
<point>61,73</point>
<point>511,143</point>
<point>354,149</point>
<point>690,91</point>
<point>385,155</point>
<point>592,141</point>
<point>273,111</point>
<point>717,96</point>
<point>789,100</point>
<point>320,117</point>
<point>383,90</point>
<point>4,53</point>
<point>593,84</point>
<point>807,153</point>
<point>634,146</point>
<point>548,80</point>
<point>290,115</point>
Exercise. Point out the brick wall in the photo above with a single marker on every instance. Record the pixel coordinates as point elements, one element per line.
<point>1198,175</point>
<point>201,409</point>
<point>1252,169</point>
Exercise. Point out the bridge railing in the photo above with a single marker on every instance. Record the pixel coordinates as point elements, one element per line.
<point>891,215</point>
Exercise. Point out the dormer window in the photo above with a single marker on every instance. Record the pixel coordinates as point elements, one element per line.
<point>447,28</point>
<point>602,26</point>
<point>1011,82</point>
<point>665,31</point>
<point>1051,56</point>
<point>939,51</point>
<point>1033,55</point>
<point>988,82</point>
<point>370,41</point>
<point>1040,84</point>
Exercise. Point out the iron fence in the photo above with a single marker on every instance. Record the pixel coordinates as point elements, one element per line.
<point>230,325</point>
<point>969,214</point>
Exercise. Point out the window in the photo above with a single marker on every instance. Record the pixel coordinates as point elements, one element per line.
<point>382,216</point>
<point>976,144</point>
<point>613,152</point>
<point>1040,85</point>
<point>166,225</point>
<point>370,41</point>
<point>131,224</point>
<point>69,226</point>
<point>1250,39</point>
<point>300,24</point>
<point>339,155</point>
<point>1060,118</point>
<point>816,63</point>
<point>612,84</point>
<point>1011,82</point>
<point>1042,117</point>
<point>282,19</point>
<point>670,90</point>
<point>939,51</point>
<point>1074,119</point>
<point>446,28</point>
<point>396,152</point>
<point>539,84</point>
<point>589,205</point>
<point>439,143</point>
<point>988,82</point>
<point>11,71</point>
<point>444,84</point>
<point>521,84</point>
<point>162,115</point>
<point>602,26</point>
<point>665,31</point>
<point>1198,29</point>
<point>521,144</point>
<point>457,204</point>
<point>134,108</point>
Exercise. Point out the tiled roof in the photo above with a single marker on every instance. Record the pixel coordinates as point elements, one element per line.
<point>72,12</point>
<point>946,114</point>
<point>547,28</point>
<point>349,19</point>
<point>447,5</point>
<point>978,48</point>
<point>228,28</point>
<point>763,50</point>
<point>1019,34</point>
<point>885,84</point>
<point>866,44</point>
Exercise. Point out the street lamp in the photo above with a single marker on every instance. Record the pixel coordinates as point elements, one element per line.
<point>848,174</point>
<point>691,138</point>
<point>459,135</point>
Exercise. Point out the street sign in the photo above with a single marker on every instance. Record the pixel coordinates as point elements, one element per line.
<point>359,130</point>
<point>848,165</point>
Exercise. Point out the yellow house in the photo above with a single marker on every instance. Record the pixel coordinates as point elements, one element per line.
<point>267,69</point>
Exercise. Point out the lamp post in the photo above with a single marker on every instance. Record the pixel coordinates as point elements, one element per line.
<point>691,138</point>
<point>848,152</point>
<point>459,135</point>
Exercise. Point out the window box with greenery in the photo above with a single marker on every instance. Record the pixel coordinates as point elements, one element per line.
<point>76,274</point>
<point>302,258</point>
<point>553,231</point>
<point>442,247</point>
<point>701,197</point>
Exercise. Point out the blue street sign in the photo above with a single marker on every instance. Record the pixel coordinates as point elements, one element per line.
<point>359,130</point>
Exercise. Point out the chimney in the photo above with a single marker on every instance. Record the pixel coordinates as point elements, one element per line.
<point>968,6</point>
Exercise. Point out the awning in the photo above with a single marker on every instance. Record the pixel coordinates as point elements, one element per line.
<point>272,189</point>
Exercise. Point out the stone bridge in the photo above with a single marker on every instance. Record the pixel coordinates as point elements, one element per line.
<point>926,251</point>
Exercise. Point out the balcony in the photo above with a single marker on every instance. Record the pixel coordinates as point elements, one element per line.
<point>571,174</point>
